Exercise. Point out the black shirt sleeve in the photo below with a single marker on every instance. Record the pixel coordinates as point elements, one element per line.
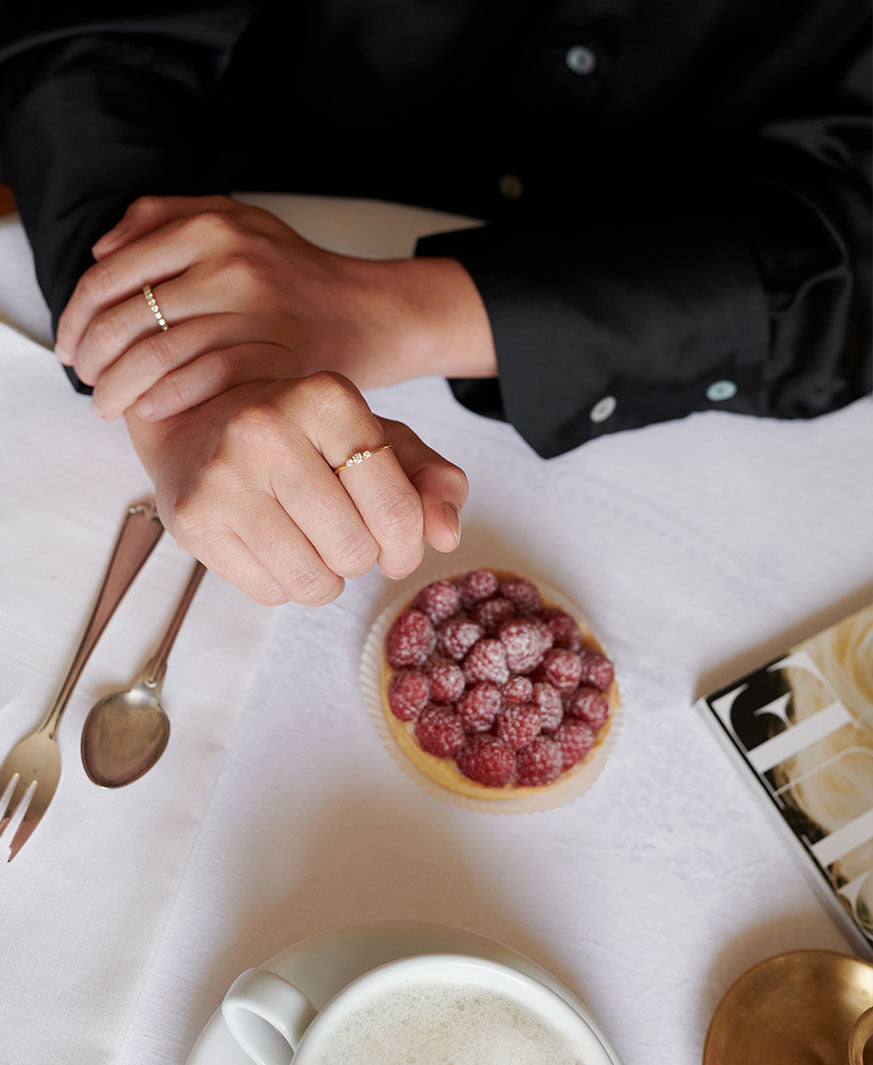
<point>749,294</point>
<point>99,110</point>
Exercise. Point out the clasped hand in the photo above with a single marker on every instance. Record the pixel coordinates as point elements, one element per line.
<point>242,409</point>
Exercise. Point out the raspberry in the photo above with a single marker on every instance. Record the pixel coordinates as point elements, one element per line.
<point>408,694</point>
<point>456,636</point>
<point>519,726</point>
<point>546,635</point>
<point>475,585</point>
<point>479,707</point>
<point>410,640</point>
<point>575,738</point>
<point>487,760</point>
<point>539,763</point>
<point>597,669</point>
<point>491,613</point>
<point>524,650</point>
<point>517,690</point>
<point>548,700</point>
<point>446,679</point>
<point>524,595</point>
<point>565,631</point>
<point>589,705</point>
<point>439,731</point>
<point>486,661</point>
<point>439,600</point>
<point>562,669</point>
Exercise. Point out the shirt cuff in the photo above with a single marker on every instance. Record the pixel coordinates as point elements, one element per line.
<point>599,330</point>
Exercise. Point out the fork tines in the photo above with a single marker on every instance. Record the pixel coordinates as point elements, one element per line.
<point>10,820</point>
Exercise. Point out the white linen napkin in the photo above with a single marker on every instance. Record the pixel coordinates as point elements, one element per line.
<point>83,904</point>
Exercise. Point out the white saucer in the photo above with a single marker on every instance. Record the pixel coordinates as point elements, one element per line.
<point>323,965</point>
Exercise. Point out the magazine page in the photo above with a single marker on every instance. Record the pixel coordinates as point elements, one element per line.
<point>801,728</point>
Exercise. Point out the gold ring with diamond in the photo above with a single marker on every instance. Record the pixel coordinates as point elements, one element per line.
<point>359,457</point>
<point>154,308</point>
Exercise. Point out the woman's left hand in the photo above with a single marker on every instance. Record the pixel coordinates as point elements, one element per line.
<point>246,298</point>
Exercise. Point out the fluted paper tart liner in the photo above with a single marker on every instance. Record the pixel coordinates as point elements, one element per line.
<point>443,779</point>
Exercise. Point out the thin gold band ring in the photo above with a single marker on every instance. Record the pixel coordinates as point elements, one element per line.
<point>359,457</point>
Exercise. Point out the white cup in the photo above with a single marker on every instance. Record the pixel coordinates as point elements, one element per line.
<point>275,1024</point>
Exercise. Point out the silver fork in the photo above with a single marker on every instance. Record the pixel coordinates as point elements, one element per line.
<point>30,774</point>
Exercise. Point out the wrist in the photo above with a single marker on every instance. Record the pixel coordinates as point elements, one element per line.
<point>448,331</point>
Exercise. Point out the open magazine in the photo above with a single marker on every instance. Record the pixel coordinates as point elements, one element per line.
<point>801,730</point>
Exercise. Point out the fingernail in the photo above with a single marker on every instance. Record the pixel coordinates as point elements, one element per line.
<point>96,409</point>
<point>453,519</point>
<point>144,408</point>
<point>63,355</point>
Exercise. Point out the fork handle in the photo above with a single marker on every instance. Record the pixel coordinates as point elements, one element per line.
<point>140,531</point>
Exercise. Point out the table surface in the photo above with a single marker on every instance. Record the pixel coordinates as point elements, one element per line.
<point>699,548</point>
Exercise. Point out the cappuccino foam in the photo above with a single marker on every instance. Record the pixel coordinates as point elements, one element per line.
<point>444,1024</point>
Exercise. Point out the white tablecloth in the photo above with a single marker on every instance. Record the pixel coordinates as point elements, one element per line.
<point>699,549</point>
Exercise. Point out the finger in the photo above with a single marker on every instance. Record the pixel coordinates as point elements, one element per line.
<point>154,258</point>
<point>111,332</point>
<point>149,213</point>
<point>228,557</point>
<point>158,355</point>
<point>149,354</point>
<point>309,491</point>
<point>206,376</point>
<point>381,491</point>
<point>286,553</point>
<point>441,485</point>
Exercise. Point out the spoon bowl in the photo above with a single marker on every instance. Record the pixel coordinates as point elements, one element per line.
<point>124,735</point>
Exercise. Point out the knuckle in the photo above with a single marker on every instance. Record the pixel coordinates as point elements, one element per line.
<point>219,367</point>
<point>145,207</point>
<point>240,272</point>
<point>254,427</point>
<point>358,553</point>
<point>170,395</point>
<point>267,593</point>
<point>211,226</point>
<point>456,474</point>
<point>96,282</point>
<point>312,587</point>
<point>157,357</point>
<point>331,393</point>
<point>186,515</point>
<point>397,569</point>
<point>400,517</point>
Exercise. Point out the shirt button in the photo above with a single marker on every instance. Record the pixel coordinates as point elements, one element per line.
<point>721,390</point>
<point>603,409</point>
<point>511,187</point>
<point>580,60</point>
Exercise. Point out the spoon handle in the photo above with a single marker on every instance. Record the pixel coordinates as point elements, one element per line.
<point>154,671</point>
<point>140,531</point>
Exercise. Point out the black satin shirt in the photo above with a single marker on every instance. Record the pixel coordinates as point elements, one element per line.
<point>677,193</point>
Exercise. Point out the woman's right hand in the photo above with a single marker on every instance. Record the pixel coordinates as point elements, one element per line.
<point>245,482</point>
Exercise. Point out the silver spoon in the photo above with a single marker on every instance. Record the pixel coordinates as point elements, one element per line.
<point>125,733</point>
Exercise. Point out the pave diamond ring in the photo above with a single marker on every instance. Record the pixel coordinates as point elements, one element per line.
<point>154,308</point>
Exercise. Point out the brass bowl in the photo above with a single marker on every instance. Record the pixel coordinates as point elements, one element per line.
<point>796,1008</point>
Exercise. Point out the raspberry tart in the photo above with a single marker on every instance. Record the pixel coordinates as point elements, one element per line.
<point>494,690</point>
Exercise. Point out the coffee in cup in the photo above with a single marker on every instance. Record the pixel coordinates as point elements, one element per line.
<point>425,1010</point>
